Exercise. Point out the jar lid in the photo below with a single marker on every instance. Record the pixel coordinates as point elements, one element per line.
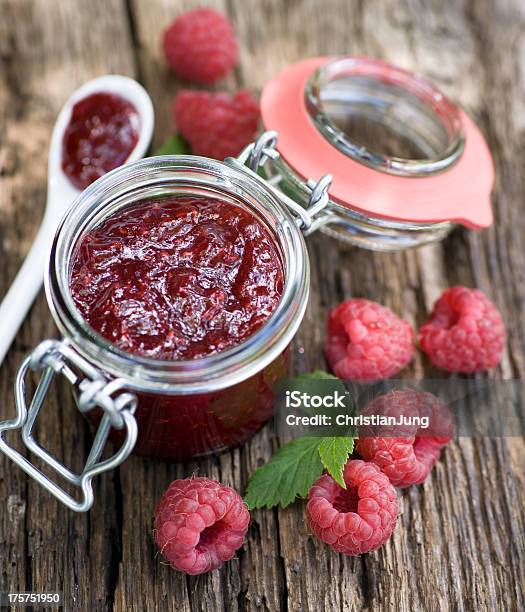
<point>436,167</point>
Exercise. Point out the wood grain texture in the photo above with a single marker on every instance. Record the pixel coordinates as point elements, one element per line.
<point>460,542</point>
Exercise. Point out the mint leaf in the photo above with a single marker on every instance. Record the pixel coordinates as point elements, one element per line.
<point>334,455</point>
<point>289,473</point>
<point>322,375</point>
<point>317,375</point>
<point>176,145</point>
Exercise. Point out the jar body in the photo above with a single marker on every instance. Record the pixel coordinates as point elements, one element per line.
<point>188,427</point>
<point>186,408</point>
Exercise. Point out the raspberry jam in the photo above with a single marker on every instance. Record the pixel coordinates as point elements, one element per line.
<point>179,279</point>
<point>101,134</point>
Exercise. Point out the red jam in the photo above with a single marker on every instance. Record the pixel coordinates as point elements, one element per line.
<point>178,279</point>
<point>101,134</point>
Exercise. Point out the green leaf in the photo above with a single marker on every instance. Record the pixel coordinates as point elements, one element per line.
<point>289,473</point>
<point>317,375</point>
<point>176,145</point>
<point>334,454</point>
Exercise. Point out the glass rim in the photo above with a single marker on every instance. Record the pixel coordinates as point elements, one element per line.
<point>441,108</point>
<point>205,374</point>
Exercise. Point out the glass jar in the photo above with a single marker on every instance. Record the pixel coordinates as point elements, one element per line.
<point>408,165</point>
<point>188,408</point>
<point>169,409</point>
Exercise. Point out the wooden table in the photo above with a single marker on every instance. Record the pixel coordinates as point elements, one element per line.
<point>460,542</point>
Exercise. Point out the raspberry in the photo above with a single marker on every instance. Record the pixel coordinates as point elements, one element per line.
<point>200,45</point>
<point>367,341</point>
<point>200,523</point>
<point>465,332</point>
<point>406,453</point>
<point>216,125</point>
<point>357,519</point>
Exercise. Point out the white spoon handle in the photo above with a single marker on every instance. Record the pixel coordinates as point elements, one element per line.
<point>24,289</point>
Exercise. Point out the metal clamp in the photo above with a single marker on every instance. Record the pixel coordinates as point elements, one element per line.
<point>95,391</point>
<point>308,218</point>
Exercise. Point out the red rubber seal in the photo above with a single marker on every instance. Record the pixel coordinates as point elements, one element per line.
<point>460,194</point>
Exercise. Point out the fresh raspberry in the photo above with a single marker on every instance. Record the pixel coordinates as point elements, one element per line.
<point>216,125</point>
<point>406,453</point>
<point>465,332</point>
<point>200,523</point>
<point>357,519</point>
<point>367,341</point>
<point>200,45</point>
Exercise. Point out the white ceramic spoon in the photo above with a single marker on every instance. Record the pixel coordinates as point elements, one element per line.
<point>60,195</point>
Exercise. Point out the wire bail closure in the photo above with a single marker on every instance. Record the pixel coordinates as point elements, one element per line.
<point>254,157</point>
<point>94,391</point>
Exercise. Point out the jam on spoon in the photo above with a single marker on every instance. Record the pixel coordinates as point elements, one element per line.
<point>101,134</point>
<point>178,278</point>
